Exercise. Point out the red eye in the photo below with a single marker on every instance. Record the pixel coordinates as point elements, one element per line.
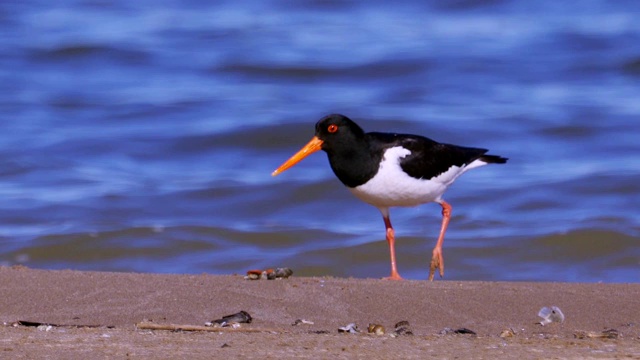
<point>332,128</point>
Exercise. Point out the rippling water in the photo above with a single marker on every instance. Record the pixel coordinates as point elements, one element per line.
<point>139,136</point>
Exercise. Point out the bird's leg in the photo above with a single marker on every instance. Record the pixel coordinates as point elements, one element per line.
<point>437,261</point>
<point>392,249</point>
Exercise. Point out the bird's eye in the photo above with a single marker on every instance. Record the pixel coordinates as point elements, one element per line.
<point>332,128</point>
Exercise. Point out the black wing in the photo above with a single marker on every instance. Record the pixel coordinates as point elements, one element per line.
<point>429,158</point>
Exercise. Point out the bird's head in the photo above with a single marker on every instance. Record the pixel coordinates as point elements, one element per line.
<point>332,131</point>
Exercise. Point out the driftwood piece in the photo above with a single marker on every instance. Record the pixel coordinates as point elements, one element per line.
<point>146,325</point>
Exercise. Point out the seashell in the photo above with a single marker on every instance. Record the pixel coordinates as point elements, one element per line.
<point>269,274</point>
<point>44,327</point>
<point>302,321</point>
<point>549,315</point>
<point>253,275</point>
<point>375,329</point>
<point>403,328</point>
<point>349,328</point>
<point>507,333</point>
<point>283,273</point>
<point>231,320</point>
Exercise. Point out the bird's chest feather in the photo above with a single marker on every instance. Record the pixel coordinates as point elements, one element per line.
<point>391,186</point>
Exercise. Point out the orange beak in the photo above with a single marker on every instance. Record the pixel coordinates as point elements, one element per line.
<point>314,145</point>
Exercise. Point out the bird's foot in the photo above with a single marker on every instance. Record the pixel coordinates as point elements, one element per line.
<point>394,276</point>
<point>437,262</point>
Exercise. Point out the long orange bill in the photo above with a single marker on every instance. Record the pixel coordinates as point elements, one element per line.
<point>314,145</point>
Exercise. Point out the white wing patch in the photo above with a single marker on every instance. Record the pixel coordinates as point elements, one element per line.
<point>449,176</point>
<point>393,187</point>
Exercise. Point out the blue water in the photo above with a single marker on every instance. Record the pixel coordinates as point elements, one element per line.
<point>140,136</point>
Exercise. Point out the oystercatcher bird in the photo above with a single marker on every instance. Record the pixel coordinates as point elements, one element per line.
<point>387,170</point>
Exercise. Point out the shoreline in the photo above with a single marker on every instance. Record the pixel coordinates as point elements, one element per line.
<point>100,310</point>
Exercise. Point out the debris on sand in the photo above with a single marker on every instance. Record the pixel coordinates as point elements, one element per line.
<point>233,320</point>
<point>606,334</point>
<point>463,331</point>
<point>269,274</point>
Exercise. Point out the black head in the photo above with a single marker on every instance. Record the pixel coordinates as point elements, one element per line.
<point>335,130</point>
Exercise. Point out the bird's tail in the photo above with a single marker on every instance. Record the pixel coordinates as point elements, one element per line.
<point>493,159</point>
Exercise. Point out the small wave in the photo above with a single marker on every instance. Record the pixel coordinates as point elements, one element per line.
<point>89,51</point>
<point>379,69</point>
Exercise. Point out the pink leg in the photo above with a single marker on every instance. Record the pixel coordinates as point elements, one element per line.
<point>392,249</point>
<point>437,261</point>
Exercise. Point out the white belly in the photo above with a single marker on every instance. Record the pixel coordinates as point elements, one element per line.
<point>393,187</point>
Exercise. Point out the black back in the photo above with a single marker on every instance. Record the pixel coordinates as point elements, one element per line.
<point>428,158</point>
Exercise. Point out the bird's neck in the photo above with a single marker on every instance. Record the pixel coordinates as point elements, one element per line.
<point>354,165</point>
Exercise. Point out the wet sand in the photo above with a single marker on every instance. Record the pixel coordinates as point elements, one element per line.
<point>98,313</point>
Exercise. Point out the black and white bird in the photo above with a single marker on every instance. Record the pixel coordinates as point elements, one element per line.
<point>386,169</point>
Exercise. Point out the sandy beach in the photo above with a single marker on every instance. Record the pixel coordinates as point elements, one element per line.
<point>94,314</point>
